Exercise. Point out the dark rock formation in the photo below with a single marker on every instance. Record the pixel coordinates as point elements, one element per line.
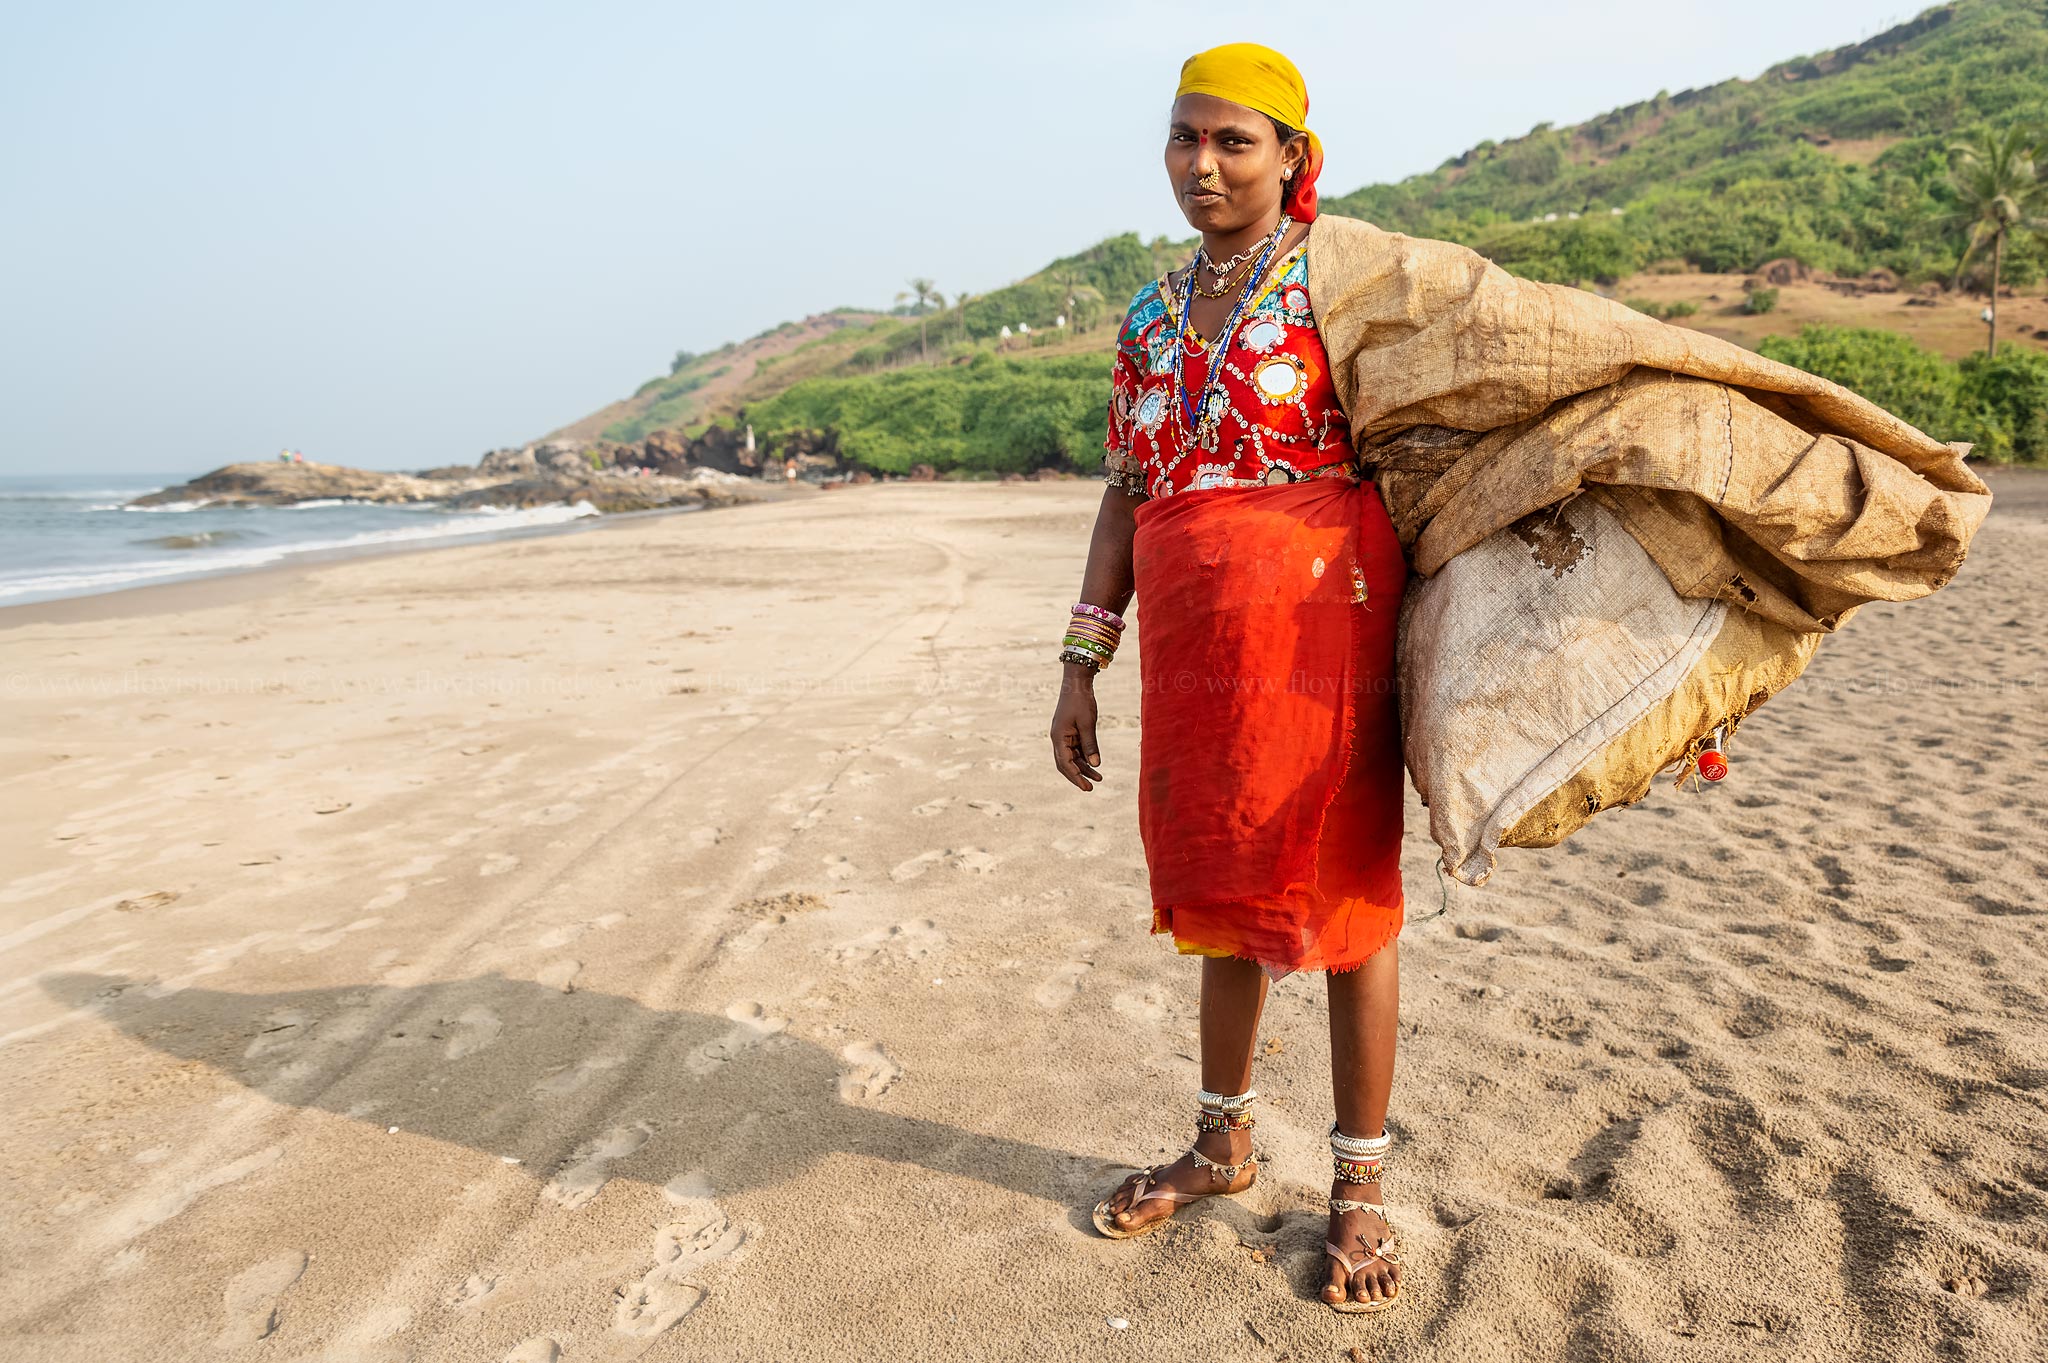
<point>1784,270</point>
<point>515,478</point>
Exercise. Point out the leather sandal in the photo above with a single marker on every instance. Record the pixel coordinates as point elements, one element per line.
<point>1360,1159</point>
<point>1219,1113</point>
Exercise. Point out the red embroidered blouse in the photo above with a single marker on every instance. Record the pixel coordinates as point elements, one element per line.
<point>1276,420</point>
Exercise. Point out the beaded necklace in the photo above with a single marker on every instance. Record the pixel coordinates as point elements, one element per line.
<point>1199,414</point>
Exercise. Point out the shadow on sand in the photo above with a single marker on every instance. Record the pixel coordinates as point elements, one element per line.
<point>514,1068</point>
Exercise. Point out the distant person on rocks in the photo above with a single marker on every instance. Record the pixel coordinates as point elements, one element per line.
<point>1270,797</point>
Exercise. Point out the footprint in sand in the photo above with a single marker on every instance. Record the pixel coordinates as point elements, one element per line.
<point>589,1168</point>
<point>568,932</point>
<point>916,866</point>
<point>574,1077</point>
<point>418,866</point>
<point>153,1209</point>
<point>963,858</point>
<point>252,1298</point>
<point>931,807</point>
<point>472,1030</point>
<point>379,1323</point>
<point>692,1185</point>
<point>840,868</point>
<point>497,864</point>
<point>752,1024</point>
<point>548,815</point>
<point>701,1237</point>
<point>1061,986</point>
<point>1145,1007</point>
<point>911,940</point>
<point>539,1349</point>
<point>559,975</point>
<point>317,941</point>
<point>995,809</point>
<point>471,1293</point>
<point>386,897</point>
<point>873,1072</point>
<point>1085,842</point>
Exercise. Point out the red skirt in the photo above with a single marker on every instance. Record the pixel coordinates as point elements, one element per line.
<point>1270,783</point>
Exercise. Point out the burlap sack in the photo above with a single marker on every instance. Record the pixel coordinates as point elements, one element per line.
<point>1550,672</point>
<point>1712,513</point>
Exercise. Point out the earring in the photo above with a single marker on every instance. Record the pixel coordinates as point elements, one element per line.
<point>1287,174</point>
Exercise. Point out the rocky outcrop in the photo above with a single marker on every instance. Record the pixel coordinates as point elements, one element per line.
<point>721,465</point>
<point>521,478</point>
<point>1784,270</point>
<point>279,483</point>
<point>613,494</point>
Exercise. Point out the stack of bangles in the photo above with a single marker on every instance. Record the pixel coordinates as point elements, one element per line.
<point>1092,636</point>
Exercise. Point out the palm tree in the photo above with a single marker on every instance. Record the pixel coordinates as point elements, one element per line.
<point>1999,191</point>
<point>1083,306</point>
<point>960,302</point>
<point>1070,282</point>
<point>922,297</point>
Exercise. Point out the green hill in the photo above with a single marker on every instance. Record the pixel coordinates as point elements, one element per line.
<point>1838,160</point>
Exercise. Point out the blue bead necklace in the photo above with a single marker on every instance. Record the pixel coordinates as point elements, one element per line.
<point>1197,414</point>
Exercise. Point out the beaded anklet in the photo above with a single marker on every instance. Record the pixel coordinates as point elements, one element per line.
<point>1224,1112</point>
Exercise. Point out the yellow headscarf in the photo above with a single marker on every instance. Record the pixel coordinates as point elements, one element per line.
<point>1265,81</point>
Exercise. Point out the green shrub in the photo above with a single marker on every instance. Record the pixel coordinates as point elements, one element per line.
<point>1760,301</point>
<point>1561,252</point>
<point>1999,405</point>
<point>2005,404</point>
<point>994,415</point>
<point>1663,311</point>
<point>1884,366</point>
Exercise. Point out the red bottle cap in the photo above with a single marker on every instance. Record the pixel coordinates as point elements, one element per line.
<point>1712,765</point>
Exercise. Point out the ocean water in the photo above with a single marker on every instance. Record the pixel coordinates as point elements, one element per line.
<point>70,535</point>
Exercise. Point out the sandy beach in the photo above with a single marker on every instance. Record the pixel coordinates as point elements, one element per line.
<point>673,942</point>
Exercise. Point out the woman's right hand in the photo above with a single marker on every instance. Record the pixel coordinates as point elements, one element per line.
<point>1074,750</point>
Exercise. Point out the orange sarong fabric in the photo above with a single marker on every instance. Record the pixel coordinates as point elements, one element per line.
<point>1270,782</point>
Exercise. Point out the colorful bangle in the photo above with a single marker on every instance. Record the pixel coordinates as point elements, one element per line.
<point>1106,640</point>
<point>1075,655</point>
<point>1106,616</point>
<point>1089,646</point>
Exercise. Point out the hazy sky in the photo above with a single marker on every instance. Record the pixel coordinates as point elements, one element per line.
<point>397,235</point>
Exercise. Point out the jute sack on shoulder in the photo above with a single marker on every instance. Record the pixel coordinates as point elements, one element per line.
<point>1550,672</point>
<point>1626,533</point>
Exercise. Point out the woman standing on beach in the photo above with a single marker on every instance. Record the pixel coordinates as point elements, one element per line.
<point>1270,792</point>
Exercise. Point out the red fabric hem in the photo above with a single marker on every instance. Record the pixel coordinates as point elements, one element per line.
<point>1386,923</point>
